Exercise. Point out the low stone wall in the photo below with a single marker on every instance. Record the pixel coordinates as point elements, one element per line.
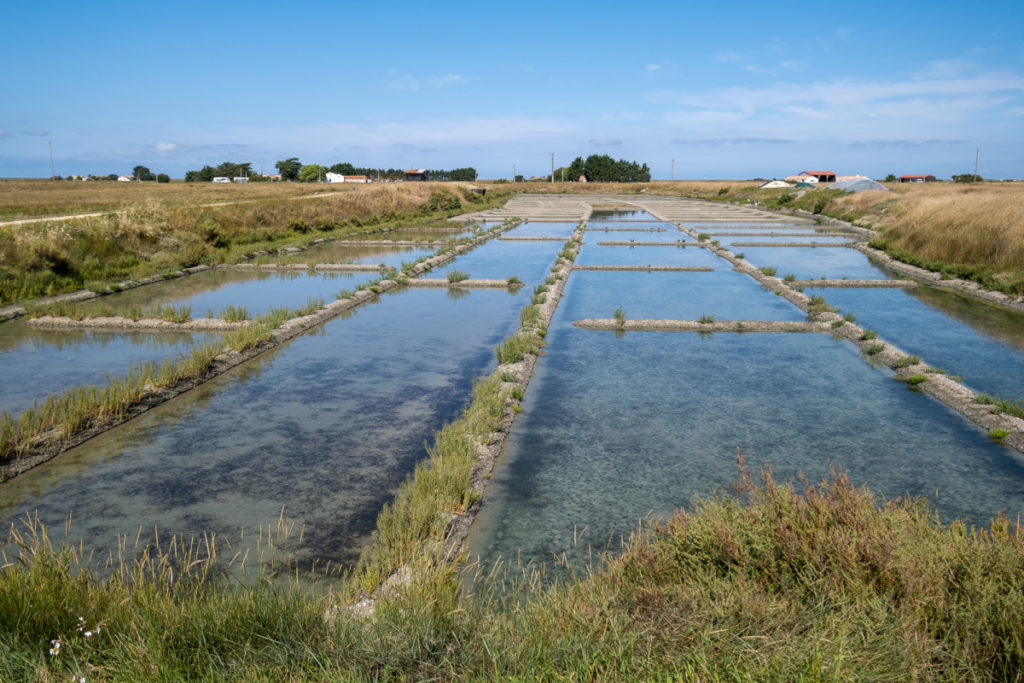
<point>855,284</point>
<point>816,245</point>
<point>146,324</point>
<point>649,325</point>
<point>679,244</point>
<point>465,284</point>
<point>650,269</point>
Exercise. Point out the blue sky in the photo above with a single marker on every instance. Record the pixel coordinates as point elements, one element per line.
<point>727,90</point>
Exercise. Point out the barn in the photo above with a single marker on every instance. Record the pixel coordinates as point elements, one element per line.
<point>917,179</point>
<point>822,176</point>
<point>420,174</point>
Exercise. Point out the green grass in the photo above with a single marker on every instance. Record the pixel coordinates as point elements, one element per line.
<point>515,348</point>
<point>457,276</point>
<point>620,317</point>
<point>828,583</point>
<point>769,270</point>
<point>513,281</point>
<point>235,314</point>
<point>705,319</point>
<point>868,335</point>
<point>906,362</point>
<point>876,349</point>
<point>998,434</point>
<point>740,255</point>
<point>789,277</point>
<point>914,380</point>
<point>1002,405</point>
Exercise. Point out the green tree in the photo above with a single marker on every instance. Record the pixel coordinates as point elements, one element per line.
<point>345,169</point>
<point>142,173</point>
<point>163,178</point>
<point>311,173</point>
<point>967,178</point>
<point>289,168</point>
<point>891,178</point>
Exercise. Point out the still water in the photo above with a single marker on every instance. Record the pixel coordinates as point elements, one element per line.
<point>325,427</point>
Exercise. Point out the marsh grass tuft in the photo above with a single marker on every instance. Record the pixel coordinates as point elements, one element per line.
<point>868,335</point>
<point>769,270</point>
<point>906,362</point>
<point>457,276</point>
<point>620,317</point>
<point>1002,405</point>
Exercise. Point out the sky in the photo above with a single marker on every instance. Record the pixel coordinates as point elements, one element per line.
<point>693,89</point>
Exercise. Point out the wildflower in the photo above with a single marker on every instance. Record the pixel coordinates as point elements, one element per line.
<point>54,647</point>
<point>88,634</point>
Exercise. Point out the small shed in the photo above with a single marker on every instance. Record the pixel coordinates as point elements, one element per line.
<point>822,176</point>
<point>917,179</point>
<point>801,179</point>
<point>221,179</point>
<point>420,174</point>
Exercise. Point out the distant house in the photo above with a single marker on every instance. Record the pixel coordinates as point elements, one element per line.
<point>583,178</point>
<point>124,178</point>
<point>240,179</point>
<point>272,176</point>
<point>339,178</point>
<point>221,179</point>
<point>420,174</point>
<point>822,176</point>
<point>917,179</point>
<point>802,178</point>
<point>335,177</point>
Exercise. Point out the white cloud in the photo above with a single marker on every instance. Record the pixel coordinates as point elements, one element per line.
<point>919,107</point>
<point>410,82</point>
<point>165,147</point>
<point>445,80</point>
<point>652,67</point>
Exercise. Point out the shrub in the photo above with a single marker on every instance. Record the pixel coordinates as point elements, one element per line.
<point>457,276</point>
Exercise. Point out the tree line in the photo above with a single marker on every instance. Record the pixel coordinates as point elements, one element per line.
<point>601,168</point>
<point>294,170</point>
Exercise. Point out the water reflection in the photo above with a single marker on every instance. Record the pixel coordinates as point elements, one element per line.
<point>327,427</point>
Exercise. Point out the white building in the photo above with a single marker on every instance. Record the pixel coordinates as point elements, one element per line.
<point>221,179</point>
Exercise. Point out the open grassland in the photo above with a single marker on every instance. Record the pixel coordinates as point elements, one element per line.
<point>156,237</point>
<point>769,584</point>
<point>23,199</point>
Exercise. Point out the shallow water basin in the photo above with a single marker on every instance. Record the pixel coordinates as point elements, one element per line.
<point>808,263</point>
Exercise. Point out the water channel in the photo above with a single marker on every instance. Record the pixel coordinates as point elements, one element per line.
<point>620,427</point>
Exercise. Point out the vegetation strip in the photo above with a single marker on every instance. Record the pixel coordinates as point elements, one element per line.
<point>627,229</point>
<point>420,534</point>
<point>810,232</point>
<point>700,326</point>
<point>70,418</point>
<point>863,284</point>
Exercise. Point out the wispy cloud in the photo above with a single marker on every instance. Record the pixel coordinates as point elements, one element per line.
<point>36,132</point>
<point>727,57</point>
<point>165,147</point>
<point>720,142</point>
<point>410,82</point>
<point>4,134</point>
<point>921,106</point>
<point>652,67</point>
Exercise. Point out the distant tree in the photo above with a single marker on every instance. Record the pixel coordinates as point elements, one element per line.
<point>967,178</point>
<point>163,178</point>
<point>518,178</point>
<point>345,169</point>
<point>576,169</point>
<point>142,173</point>
<point>891,178</point>
<point>289,168</point>
<point>311,173</point>
<point>112,176</point>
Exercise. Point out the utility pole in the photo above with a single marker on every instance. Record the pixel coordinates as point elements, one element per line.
<point>673,174</point>
<point>53,173</point>
<point>976,152</point>
<point>552,167</point>
<point>514,174</point>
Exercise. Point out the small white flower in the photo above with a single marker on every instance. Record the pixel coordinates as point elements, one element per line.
<point>88,634</point>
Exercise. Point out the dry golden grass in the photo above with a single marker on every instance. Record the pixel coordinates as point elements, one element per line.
<point>37,198</point>
<point>970,227</point>
<point>675,188</point>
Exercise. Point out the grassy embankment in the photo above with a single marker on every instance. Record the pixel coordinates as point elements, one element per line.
<point>59,417</point>
<point>160,237</point>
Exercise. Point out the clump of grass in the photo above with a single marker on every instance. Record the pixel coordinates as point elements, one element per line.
<point>998,434</point>
<point>906,362</point>
<point>789,277</point>
<point>914,380</point>
<point>876,349</point>
<point>234,313</point>
<point>509,377</point>
<point>837,324</point>
<point>345,294</point>
<point>514,281</point>
<point>1002,405</point>
<point>515,348</point>
<point>705,319</point>
<point>817,304</point>
<point>868,335</point>
<point>620,317</point>
<point>849,317</point>
<point>741,255</point>
<point>457,276</point>
<point>312,306</point>
<point>529,315</point>
<point>769,270</point>
<point>702,237</point>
